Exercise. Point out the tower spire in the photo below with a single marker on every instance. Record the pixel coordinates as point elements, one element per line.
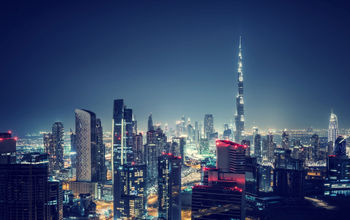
<point>239,117</point>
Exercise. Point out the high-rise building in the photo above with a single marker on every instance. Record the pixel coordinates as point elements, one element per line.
<point>7,148</point>
<point>315,144</point>
<point>271,146</point>
<point>208,125</point>
<point>220,196</point>
<point>49,150</point>
<point>89,156</point>
<point>178,148</point>
<point>337,182</point>
<point>129,191</point>
<point>230,156</point>
<point>257,144</point>
<point>138,149</point>
<point>58,145</point>
<point>26,192</point>
<point>333,128</point>
<point>150,123</point>
<point>73,149</point>
<point>151,159</point>
<point>340,147</point>
<point>285,140</point>
<point>169,187</point>
<point>101,169</point>
<point>122,133</point>
<point>239,117</point>
<point>125,171</point>
<point>288,175</point>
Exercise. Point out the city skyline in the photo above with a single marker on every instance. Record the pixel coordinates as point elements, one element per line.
<point>295,63</point>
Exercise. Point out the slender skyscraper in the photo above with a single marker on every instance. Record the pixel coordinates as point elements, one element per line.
<point>239,117</point>
<point>333,128</point>
<point>58,145</point>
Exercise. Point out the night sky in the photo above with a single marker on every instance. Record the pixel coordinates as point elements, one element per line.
<point>174,58</point>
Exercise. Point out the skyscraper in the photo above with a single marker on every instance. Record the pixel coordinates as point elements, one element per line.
<point>257,143</point>
<point>7,148</point>
<point>315,143</point>
<point>58,146</point>
<point>208,125</point>
<point>333,128</point>
<point>138,149</point>
<point>125,173</point>
<point>239,117</point>
<point>26,192</point>
<point>48,145</point>
<point>85,129</point>
<point>101,169</point>
<point>169,187</point>
<point>122,133</point>
<point>285,140</point>
<point>129,191</point>
<point>340,147</point>
<point>150,123</point>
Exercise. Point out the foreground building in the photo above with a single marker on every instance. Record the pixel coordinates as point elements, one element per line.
<point>26,192</point>
<point>220,196</point>
<point>169,187</point>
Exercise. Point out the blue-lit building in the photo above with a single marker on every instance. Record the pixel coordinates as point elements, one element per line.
<point>337,183</point>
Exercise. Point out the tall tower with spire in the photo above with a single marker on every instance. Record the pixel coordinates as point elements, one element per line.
<point>333,128</point>
<point>239,116</point>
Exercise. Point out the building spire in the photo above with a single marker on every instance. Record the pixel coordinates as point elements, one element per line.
<point>240,42</point>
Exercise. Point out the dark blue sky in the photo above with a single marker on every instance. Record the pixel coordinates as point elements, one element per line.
<point>173,58</point>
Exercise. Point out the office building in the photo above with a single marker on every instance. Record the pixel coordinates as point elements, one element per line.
<point>169,187</point>
<point>56,155</point>
<point>130,191</point>
<point>90,149</point>
<point>26,192</point>
<point>208,125</point>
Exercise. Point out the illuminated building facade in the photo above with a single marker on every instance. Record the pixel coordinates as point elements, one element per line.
<point>7,148</point>
<point>239,117</point>
<point>90,166</point>
<point>130,191</point>
<point>288,175</point>
<point>208,125</point>
<point>56,154</point>
<point>333,128</point>
<point>230,156</point>
<point>220,196</point>
<point>337,182</point>
<point>138,148</point>
<point>122,134</point>
<point>26,192</point>
<point>101,169</point>
<point>169,187</point>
